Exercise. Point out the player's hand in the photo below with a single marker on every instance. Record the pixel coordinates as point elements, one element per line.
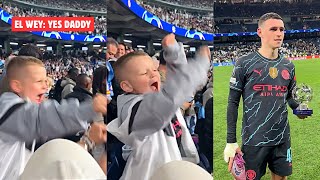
<point>205,51</point>
<point>98,133</point>
<point>168,40</point>
<point>100,104</point>
<point>229,152</point>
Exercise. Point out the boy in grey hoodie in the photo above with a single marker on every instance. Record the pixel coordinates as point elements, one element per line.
<point>31,119</point>
<point>148,120</point>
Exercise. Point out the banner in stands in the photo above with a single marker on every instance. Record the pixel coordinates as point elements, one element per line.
<point>303,57</point>
<point>224,64</point>
<point>156,21</point>
<point>6,17</point>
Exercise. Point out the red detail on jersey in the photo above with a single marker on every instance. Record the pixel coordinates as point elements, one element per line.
<point>294,78</point>
<point>251,174</point>
<point>258,72</point>
<point>285,74</point>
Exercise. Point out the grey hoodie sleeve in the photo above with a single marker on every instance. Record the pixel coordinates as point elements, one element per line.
<point>67,90</point>
<point>157,109</point>
<point>48,120</point>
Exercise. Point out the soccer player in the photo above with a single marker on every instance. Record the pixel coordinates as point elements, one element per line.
<point>265,80</point>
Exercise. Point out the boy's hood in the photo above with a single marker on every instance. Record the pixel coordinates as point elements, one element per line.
<point>124,101</point>
<point>67,81</point>
<point>7,100</point>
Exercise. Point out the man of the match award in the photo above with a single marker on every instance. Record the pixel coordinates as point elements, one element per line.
<point>303,95</point>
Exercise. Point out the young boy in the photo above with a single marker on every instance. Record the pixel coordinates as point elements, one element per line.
<point>147,119</point>
<point>25,118</point>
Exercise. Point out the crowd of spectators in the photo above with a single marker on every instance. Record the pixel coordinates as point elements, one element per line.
<point>183,18</point>
<point>257,9</point>
<point>208,4</point>
<point>88,5</point>
<point>290,48</point>
<point>204,22</point>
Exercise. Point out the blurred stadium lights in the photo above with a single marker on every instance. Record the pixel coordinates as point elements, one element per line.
<point>41,45</point>
<point>127,41</point>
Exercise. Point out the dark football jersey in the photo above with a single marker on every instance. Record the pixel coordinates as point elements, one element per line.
<point>265,85</point>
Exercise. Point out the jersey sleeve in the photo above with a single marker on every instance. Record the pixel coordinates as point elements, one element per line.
<point>292,83</point>
<point>237,77</point>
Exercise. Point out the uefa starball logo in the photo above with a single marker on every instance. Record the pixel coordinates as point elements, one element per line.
<point>152,18</point>
<point>193,34</point>
<point>52,34</point>
<point>90,38</point>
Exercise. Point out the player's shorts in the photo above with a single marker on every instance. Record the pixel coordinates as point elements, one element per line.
<point>278,158</point>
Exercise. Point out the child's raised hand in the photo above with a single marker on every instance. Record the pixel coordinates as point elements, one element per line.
<point>205,51</point>
<point>168,40</point>
<point>100,104</point>
<point>98,133</point>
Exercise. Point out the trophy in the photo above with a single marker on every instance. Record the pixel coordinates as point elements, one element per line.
<point>303,95</point>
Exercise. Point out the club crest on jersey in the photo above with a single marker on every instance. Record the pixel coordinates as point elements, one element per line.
<point>273,72</point>
<point>285,74</point>
<point>251,174</point>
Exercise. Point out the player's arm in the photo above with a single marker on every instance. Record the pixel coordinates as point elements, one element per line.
<point>232,115</point>
<point>237,82</point>
<point>291,102</point>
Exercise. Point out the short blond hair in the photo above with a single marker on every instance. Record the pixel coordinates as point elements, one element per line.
<point>119,65</point>
<point>18,63</point>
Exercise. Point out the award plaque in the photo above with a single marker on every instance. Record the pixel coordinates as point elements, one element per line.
<point>303,95</point>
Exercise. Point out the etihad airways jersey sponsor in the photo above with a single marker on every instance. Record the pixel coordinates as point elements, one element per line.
<point>265,85</point>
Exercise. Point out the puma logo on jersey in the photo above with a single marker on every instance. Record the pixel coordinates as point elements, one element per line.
<point>258,72</point>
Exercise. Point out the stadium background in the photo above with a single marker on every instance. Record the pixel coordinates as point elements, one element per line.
<point>227,26</point>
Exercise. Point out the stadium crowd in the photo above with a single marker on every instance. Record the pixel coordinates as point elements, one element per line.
<point>88,5</point>
<point>290,48</point>
<point>208,4</point>
<point>183,18</point>
<point>16,10</point>
<point>256,9</point>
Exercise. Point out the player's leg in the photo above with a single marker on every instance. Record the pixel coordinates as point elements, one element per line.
<point>277,177</point>
<point>280,163</point>
<point>255,161</point>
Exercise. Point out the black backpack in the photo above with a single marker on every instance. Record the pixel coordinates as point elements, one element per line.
<point>56,94</point>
